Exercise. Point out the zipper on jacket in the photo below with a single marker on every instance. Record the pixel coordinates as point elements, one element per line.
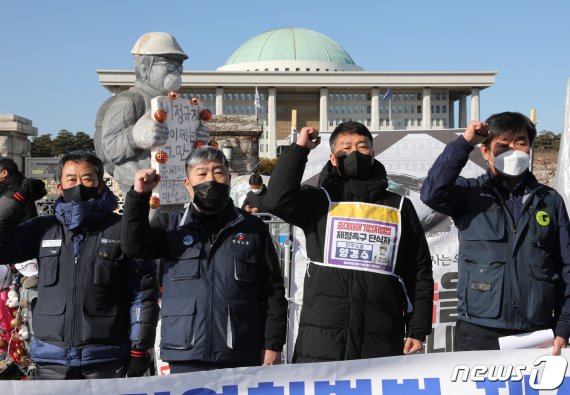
<point>75,317</point>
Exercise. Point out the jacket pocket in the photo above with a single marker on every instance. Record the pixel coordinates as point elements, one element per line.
<point>178,323</point>
<point>107,265</point>
<point>101,321</point>
<point>245,328</point>
<point>483,284</point>
<point>484,225</point>
<point>48,265</point>
<point>49,319</point>
<point>245,269</point>
<point>541,301</point>
<point>186,266</point>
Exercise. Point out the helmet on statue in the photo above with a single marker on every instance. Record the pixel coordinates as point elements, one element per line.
<point>158,44</point>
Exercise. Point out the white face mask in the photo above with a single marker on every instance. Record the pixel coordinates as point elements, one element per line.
<point>256,191</point>
<point>512,163</point>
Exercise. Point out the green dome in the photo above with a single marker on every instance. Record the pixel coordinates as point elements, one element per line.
<point>297,45</point>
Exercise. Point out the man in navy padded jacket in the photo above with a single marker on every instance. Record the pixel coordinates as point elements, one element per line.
<point>97,310</point>
<point>514,241</point>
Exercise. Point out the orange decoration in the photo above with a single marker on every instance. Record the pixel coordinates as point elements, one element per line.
<point>160,116</point>
<point>199,143</point>
<point>172,95</point>
<point>161,157</point>
<point>15,322</point>
<point>195,101</point>
<point>205,115</point>
<point>14,356</point>
<point>154,202</point>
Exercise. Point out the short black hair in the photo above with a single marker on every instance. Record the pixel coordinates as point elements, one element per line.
<point>81,156</point>
<point>8,165</point>
<point>349,127</point>
<point>205,154</point>
<point>509,124</point>
<point>255,179</point>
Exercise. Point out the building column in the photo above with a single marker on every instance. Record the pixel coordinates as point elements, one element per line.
<point>219,101</point>
<point>426,108</point>
<point>462,112</point>
<point>451,113</point>
<point>475,115</point>
<point>375,109</point>
<point>272,122</point>
<point>324,110</point>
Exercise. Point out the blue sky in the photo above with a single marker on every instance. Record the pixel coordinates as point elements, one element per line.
<point>51,49</point>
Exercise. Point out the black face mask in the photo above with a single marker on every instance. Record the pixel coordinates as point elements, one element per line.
<point>80,193</point>
<point>211,195</point>
<point>354,165</point>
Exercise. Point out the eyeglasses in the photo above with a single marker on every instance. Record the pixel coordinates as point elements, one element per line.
<point>170,67</point>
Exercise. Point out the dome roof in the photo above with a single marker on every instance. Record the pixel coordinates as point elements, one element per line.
<point>290,48</point>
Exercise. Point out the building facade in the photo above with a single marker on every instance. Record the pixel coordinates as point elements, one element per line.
<point>299,69</point>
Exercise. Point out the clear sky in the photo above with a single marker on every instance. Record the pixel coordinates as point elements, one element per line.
<point>51,49</point>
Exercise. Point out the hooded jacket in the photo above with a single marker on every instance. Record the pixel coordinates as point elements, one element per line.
<point>352,314</point>
<point>93,302</point>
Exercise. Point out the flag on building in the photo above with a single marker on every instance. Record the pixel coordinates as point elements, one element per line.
<point>256,103</point>
<point>387,95</point>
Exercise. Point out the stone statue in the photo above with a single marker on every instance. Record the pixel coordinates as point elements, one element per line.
<point>124,129</point>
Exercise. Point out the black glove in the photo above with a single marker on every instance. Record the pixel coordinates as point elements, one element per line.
<point>138,364</point>
<point>31,189</point>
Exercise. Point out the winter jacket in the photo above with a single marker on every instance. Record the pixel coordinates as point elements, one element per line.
<point>93,302</point>
<point>10,186</point>
<point>256,200</point>
<point>223,296</point>
<point>352,314</point>
<point>514,246</point>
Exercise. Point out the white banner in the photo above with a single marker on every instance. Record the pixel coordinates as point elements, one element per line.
<point>518,372</point>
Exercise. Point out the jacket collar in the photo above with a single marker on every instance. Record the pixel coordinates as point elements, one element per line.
<point>85,214</point>
<point>341,188</point>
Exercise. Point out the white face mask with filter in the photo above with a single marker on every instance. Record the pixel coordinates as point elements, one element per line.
<point>256,191</point>
<point>512,163</point>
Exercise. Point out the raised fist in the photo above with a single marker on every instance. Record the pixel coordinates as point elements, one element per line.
<point>146,180</point>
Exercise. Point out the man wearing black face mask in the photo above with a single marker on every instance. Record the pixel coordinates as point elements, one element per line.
<point>369,282</point>
<point>223,301</point>
<point>96,310</point>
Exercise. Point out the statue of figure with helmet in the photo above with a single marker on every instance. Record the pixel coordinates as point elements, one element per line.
<point>125,131</point>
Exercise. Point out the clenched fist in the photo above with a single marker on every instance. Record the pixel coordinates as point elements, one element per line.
<point>476,132</point>
<point>308,138</point>
<point>146,180</point>
<point>148,133</point>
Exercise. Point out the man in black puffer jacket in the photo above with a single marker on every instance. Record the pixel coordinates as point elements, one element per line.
<point>97,310</point>
<point>369,282</point>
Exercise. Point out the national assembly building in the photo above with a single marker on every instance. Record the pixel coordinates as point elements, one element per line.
<point>303,70</point>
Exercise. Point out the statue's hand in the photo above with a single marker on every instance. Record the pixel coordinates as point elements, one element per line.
<point>148,133</point>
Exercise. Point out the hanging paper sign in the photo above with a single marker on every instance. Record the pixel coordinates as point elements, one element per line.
<point>362,236</point>
<point>182,116</point>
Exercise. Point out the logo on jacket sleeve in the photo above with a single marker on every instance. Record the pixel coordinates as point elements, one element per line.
<point>543,218</point>
<point>188,240</point>
<point>240,239</point>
